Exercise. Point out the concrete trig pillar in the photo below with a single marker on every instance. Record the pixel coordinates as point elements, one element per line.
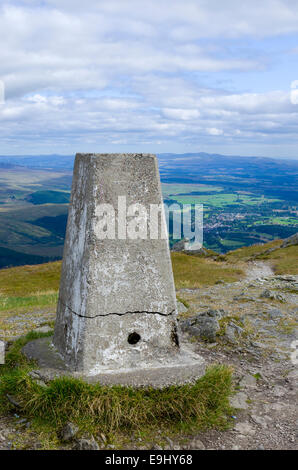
<point>117,303</point>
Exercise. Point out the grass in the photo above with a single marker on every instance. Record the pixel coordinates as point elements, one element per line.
<point>32,287</point>
<point>282,260</point>
<point>169,189</point>
<point>194,272</point>
<point>18,304</point>
<point>115,411</point>
<point>247,252</point>
<point>24,281</point>
<point>221,200</point>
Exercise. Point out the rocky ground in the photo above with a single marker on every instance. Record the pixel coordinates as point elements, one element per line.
<point>254,323</point>
<point>251,325</point>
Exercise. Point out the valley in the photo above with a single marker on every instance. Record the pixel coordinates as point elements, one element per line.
<point>246,201</point>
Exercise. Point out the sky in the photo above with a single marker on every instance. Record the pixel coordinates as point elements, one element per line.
<point>149,76</point>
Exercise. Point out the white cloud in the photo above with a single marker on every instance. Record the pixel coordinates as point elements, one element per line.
<point>181,114</point>
<point>131,72</point>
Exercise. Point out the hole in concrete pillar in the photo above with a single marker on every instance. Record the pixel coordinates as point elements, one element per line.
<point>174,335</point>
<point>133,338</point>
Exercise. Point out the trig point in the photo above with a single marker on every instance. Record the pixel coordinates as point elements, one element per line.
<point>116,315</point>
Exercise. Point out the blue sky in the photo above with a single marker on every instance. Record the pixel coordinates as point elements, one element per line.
<point>149,76</point>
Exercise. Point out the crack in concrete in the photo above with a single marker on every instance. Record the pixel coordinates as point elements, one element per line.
<point>119,314</point>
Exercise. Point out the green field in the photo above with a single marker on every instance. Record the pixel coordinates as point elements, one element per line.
<point>34,205</point>
<point>169,189</point>
<point>221,200</point>
<point>278,221</point>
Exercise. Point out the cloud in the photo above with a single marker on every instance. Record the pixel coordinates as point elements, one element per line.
<point>118,72</point>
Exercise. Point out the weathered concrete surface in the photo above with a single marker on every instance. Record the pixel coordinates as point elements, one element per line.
<point>185,367</point>
<point>112,288</point>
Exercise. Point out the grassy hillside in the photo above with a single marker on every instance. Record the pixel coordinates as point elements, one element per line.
<point>26,289</point>
<point>282,260</point>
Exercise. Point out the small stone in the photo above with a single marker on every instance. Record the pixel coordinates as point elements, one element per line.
<point>261,421</point>
<point>279,391</point>
<point>267,294</point>
<point>233,332</point>
<point>275,313</point>
<point>196,444</point>
<point>87,444</point>
<point>43,329</point>
<point>245,429</point>
<point>181,307</point>
<point>156,447</point>
<point>170,442</point>
<point>239,401</point>
<point>103,438</point>
<point>248,381</point>
<point>13,401</point>
<point>68,432</point>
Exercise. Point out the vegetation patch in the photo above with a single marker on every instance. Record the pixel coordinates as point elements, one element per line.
<point>114,410</point>
<point>283,260</point>
<point>195,272</point>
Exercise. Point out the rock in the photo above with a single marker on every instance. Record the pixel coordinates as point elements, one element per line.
<point>258,344</point>
<point>181,307</point>
<point>239,401</point>
<point>13,401</point>
<point>201,251</point>
<point>86,444</point>
<point>180,246</point>
<point>261,421</point>
<point>233,332</point>
<point>275,313</point>
<point>243,297</point>
<point>245,428</point>
<point>196,444</point>
<point>290,241</point>
<point>267,294</point>
<point>279,391</point>
<point>248,381</point>
<point>68,432</point>
<point>43,329</point>
<point>170,442</point>
<point>204,325</point>
<point>156,447</point>
<point>103,438</point>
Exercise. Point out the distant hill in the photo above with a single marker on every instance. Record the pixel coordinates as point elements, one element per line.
<point>246,200</point>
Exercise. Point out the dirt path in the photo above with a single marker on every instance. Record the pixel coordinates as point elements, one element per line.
<point>262,312</point>
<point>258,269</point>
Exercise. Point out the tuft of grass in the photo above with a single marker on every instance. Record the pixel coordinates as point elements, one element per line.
<point>115,410</point>
<point>183,301</point>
